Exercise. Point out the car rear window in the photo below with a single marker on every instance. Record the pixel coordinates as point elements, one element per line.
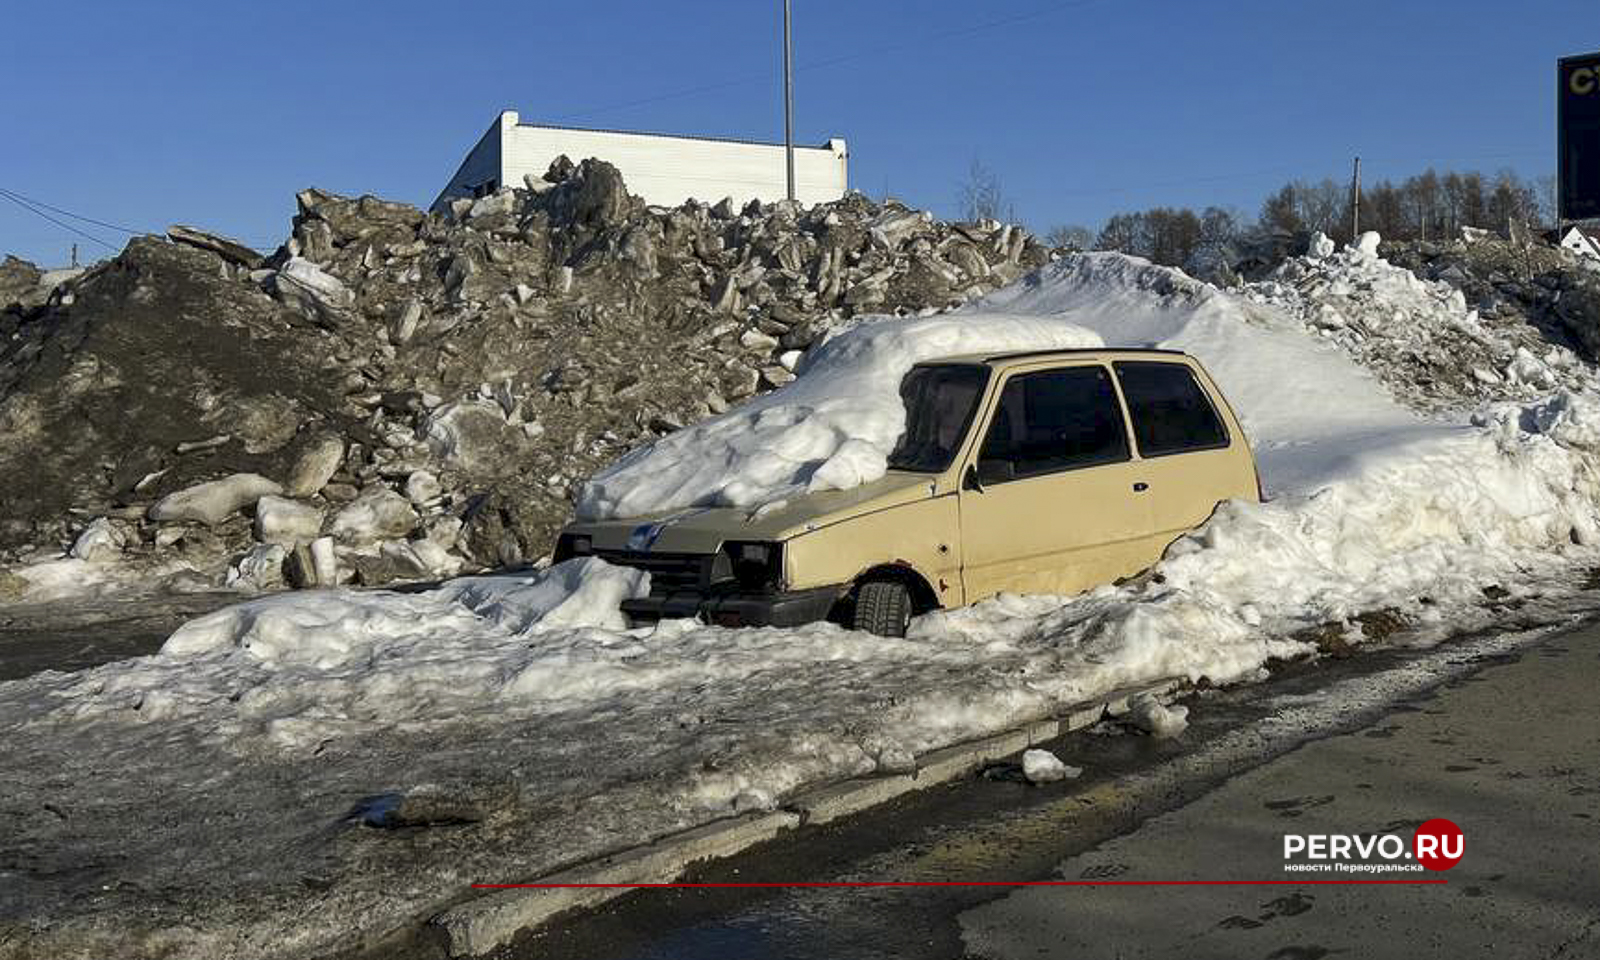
<point>1056,420</point>
<point>1170,410</point>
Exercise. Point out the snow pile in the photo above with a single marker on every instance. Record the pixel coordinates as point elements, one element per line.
<point>1372,508</point>
<point>609,737</point>
<point>302,668</point>
<point>832,428</point>
<point>1417,335</point>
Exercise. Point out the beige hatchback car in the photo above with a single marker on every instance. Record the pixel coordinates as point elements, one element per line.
<point>1045,472</point>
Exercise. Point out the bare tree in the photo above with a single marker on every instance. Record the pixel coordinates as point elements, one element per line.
<point>1545,187</point>
<point>1280,213</point>
<point>1071,236</point>
<point>1324,206</point>
<point>1126,232</point>
<point>981,197</point>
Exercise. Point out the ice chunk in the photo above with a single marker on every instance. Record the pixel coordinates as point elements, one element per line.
<point>1042,766</point>
<point>1152,716</point>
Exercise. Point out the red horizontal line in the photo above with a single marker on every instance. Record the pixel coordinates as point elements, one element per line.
<point>940,883</point>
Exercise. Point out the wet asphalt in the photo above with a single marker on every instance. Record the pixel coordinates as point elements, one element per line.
<point>984,829</point>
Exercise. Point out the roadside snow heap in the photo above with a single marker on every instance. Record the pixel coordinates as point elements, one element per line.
<point>520,707</point>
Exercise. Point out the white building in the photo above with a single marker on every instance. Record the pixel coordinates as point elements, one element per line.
<point>663,169</point>
<point>1582,241</point>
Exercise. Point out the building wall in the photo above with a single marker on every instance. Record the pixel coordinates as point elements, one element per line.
<point>479,170</point>
<point>1576,241</point>
<point>664,170</point>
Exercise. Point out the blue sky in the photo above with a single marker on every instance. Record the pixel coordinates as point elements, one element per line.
<point>143,115</point>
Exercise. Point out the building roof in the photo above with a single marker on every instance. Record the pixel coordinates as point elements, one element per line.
<point>1589,234</point>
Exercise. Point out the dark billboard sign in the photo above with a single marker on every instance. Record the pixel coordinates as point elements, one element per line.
<point>1578,136</point>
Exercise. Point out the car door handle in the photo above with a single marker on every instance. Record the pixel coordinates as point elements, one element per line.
<point>1140,487</point>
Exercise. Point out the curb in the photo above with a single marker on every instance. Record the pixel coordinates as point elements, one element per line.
<point>484,923</point>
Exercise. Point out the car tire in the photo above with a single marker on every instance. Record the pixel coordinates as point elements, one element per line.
<point>882,607</point>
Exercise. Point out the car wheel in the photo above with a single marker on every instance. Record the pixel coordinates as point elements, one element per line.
<point>883,607</point>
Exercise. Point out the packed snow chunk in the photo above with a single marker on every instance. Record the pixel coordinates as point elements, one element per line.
<point>287,522</point>
<point>323,631</point>
<point>471,434</point>
<point>832,428</point>
<point>74,578</point>
<point>1321,246</point>
<point>1042,766</point>
<point>101,541</point>
<point>259,569</point>
<point>423,486</point>
<point>317,294</point>
<point>1155,718</point>
<point>377,514</point>
<point>324,562</point>
<point>575,593</point>
<point>1366,244</point>
<point>214,501</point>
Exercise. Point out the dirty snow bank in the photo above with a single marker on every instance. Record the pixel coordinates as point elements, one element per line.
<point>606,737</point>
<point>299,669</point>
<point>1372,508</point>
<point>1418,336</point>
<point>832,428</point>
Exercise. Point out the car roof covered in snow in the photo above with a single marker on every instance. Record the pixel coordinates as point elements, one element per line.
<point>1075,353</point>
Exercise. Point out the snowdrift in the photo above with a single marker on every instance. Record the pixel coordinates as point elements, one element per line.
<point>1372,507</point>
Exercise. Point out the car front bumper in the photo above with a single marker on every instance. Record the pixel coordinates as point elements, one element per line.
<point>738,610</point>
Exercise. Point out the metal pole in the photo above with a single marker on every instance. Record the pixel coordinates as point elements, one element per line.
<point>1355,203</point>
<point>788,101</point>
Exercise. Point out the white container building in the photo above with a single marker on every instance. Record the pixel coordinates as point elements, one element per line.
<point>663,169</point>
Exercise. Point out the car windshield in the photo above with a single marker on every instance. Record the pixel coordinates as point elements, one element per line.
<point>940,400</point>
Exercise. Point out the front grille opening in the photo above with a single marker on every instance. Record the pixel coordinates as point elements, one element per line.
<point>669,572</point>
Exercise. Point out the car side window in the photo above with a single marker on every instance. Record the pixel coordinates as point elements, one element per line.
<point>1170,410</point>
<point>1054,420</point>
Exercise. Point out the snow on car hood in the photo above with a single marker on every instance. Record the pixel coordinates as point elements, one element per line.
<point>703,529</point>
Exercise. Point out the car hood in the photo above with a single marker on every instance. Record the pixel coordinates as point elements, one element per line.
<point>704,529</point>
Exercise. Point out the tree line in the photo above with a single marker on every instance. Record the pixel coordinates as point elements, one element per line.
<point>1427,206</point>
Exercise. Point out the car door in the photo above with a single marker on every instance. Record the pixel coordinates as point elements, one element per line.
<point>1187,453</point>
<point>1048,503</point>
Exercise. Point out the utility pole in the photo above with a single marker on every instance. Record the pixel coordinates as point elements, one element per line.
<point>788,101</point>
<point>74,256</point>
<point>1355,203</point>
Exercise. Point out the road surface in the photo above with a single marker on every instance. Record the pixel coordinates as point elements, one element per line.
<point>1496,733</point>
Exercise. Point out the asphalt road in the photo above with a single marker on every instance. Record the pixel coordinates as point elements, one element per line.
<point>71,636</point>
<point>1506,754</point>
<point>1497,733</point>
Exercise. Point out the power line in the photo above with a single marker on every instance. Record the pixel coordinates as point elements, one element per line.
<point>75,216</point>
<point>14,198</point>
<point>37,207</point>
